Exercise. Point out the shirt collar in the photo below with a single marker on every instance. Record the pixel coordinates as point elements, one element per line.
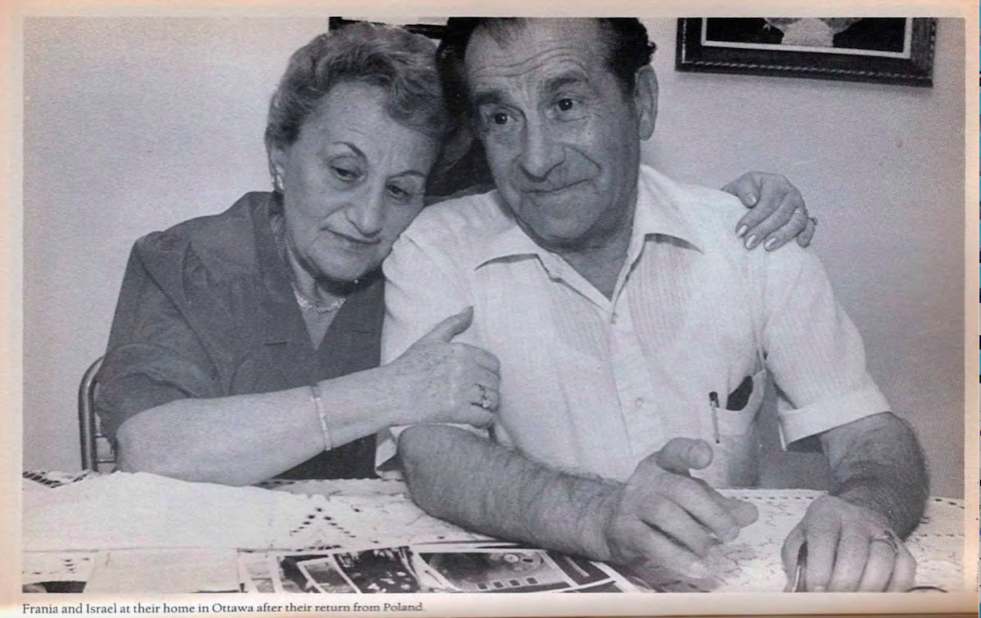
<point>664,209</point>
<point>661,211</point>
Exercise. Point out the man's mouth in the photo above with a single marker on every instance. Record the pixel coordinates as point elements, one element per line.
<point>546,191</point>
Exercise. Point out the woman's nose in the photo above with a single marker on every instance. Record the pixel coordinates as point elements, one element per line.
<point>367,213</point>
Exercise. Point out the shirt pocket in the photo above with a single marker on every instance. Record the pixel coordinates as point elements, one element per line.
<point>741,406</point>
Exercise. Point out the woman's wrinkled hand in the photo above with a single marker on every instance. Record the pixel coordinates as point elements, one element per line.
<point>438,381</point>
<point>777,211</point>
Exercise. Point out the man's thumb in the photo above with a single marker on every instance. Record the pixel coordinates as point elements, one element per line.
<point>452,326</point>
<point>680,455</point>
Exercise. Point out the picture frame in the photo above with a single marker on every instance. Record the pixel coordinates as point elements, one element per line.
<point>895,51</point>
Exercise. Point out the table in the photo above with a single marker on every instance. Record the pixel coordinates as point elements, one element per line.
<point>317,528</point>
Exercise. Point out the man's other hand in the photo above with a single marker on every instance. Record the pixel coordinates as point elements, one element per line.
<point>663,516</point>
<point>849,548</point>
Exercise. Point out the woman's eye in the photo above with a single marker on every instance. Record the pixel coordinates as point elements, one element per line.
<point>345,173</point>
<point>499,118</point>
<point>400,193</point>
<point>566,105</point>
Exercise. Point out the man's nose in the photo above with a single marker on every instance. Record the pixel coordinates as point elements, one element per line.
<point>367,212</point>
<point>540,153</point>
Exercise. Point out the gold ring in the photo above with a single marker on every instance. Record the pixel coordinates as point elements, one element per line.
<point>889,538</point>
<point>485,401</point>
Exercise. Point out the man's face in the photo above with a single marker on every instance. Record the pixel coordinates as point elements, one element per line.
<point>562,137</point>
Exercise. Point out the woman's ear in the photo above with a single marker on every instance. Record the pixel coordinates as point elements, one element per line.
<point>645,100</point>
<point>276,156</point>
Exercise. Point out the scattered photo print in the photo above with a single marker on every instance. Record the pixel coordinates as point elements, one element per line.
<point>517,570</point>
<point>379,571</point>
<point>322,574</point>
<point>257,572</point>
<point>292,578</point>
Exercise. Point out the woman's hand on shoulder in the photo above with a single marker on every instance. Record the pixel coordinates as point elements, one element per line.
<point>777,211</point>
<point>438,381</point>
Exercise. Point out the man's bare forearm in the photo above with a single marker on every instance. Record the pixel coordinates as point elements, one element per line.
<point>465,479</point>
<point>877,463</point>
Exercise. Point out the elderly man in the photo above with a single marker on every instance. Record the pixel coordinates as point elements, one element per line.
<point>634,333</point>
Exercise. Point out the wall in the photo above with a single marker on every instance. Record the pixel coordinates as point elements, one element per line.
<point>135,124</point>
<point>882,168</point>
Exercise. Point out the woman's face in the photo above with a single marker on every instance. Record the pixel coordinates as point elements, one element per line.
<point>352,182</point>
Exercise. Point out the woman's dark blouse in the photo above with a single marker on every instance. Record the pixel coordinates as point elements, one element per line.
<point>207,310</point>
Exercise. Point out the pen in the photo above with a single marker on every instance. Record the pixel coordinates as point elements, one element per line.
<point>714,405</point>
<point>798,584</point>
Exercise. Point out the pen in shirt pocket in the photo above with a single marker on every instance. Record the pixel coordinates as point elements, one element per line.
<point>714,406</point>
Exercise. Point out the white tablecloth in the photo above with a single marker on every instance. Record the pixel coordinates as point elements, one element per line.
<point>73,522</point>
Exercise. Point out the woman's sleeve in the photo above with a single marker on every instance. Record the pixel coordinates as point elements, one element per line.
<point>153,356</point>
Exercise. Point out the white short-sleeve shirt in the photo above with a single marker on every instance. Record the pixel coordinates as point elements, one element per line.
<point>594,385</point>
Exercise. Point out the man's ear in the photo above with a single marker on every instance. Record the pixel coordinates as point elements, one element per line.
<point>645,100</point>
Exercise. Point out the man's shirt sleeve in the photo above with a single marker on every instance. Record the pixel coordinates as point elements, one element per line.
<point>813,349</point>
<point>425,284</point>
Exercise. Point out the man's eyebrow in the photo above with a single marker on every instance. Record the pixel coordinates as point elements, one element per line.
<point>486,96</point>
<point>554,84</point>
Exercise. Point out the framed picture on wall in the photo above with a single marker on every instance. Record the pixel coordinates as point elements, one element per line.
<point>888,50</point>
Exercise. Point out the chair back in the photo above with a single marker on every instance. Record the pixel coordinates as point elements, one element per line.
<point>95,447</point>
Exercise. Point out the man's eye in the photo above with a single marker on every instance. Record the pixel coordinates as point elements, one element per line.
<point>498,122</point>
<point>566,105</point>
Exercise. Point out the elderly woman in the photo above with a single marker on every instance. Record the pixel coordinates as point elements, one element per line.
<point>245,345</point>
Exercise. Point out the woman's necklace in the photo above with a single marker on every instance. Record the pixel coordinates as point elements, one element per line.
<point>279,233</point>
<point>308,305</point>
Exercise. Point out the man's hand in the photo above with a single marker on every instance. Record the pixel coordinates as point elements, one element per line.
<point>664,516</point>
<point>777,211</point>
<point>849,548</point>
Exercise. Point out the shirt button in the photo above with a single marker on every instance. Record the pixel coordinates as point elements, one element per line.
<point>639,402</point>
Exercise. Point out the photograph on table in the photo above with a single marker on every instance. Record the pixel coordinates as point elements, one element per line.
<point>535,275</point>
<point>324,575</point>
<point>475,567</point>
<point>379,571</point>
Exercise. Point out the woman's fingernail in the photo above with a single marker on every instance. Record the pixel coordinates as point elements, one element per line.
<point>742,230</point>
<point>769,244</point>
<point>753,198</point>
<point>751,242</point>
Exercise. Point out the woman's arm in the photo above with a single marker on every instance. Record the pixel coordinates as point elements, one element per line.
<point>244,439</point>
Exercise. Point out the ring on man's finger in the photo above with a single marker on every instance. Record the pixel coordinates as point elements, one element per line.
<point>889,538</point>
<point>485,401</point>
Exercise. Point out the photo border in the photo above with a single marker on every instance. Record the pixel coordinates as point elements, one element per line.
<point>11,309</point>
